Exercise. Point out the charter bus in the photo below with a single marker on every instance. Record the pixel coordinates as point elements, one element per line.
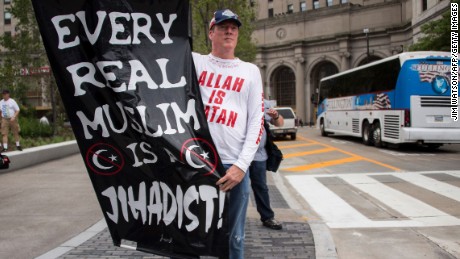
<point>400,99</point>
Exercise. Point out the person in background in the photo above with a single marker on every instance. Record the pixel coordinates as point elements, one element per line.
<point>258,173</point>
<point>234,111</point>
<point>10,112</point>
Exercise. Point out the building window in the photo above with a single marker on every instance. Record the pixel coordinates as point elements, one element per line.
<point>303,6</point>
<point>7,17</point>
<point>270,12</point>
<point>424,5</point>
<point>270,1</point>
<point>7,1</point>
<point>329,2</point>
<point>283,84</point>
<point>315,4</point>
<point>343,1</point>
<point>290,8</point>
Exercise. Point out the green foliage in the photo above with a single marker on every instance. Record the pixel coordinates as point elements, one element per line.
<point>202,12</point>
<point>32,128</point>
<point>40,141</point>
<point>436,35</point>
<point>24,49</point>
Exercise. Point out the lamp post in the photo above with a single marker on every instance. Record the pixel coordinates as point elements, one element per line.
<point>366,31</point>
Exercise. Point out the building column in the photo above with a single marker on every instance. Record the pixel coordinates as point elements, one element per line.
<point>263,74</point>
<point>300,100</point>
<point>309,5</point>
<point>344,64</point>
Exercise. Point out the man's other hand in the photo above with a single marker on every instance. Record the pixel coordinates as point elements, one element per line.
<point>233,176</point>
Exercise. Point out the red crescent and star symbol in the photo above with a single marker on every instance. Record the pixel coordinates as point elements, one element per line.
<point>104,159</point>
<point>199,154</point>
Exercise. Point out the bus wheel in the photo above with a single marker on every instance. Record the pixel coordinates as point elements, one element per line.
<point>293,136</point>
<point>322,128</point>
<point>377,135</point>
<point>367,134</point>
<point>432,147</point>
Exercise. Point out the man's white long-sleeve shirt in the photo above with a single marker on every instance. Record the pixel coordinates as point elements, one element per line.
<point>232,95</point>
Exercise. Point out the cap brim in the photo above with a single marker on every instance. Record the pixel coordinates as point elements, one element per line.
<point>229,19</point>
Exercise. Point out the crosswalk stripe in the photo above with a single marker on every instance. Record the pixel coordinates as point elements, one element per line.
<point>337,213</point>
<point>326,203</point>
<point>444,189</point>
<point>412,208</point>
<point>323,164</point>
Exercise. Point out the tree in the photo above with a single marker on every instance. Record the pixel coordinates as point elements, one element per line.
<point>202,12</point>
<point>25,49</point>
<point>436,35</point>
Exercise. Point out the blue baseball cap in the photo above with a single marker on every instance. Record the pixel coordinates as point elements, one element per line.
<point>224,15</point>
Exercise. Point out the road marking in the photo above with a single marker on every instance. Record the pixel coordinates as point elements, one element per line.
<point>410,207</point>
<point>396,153</point>
<point>306,153</point>
<point>342,142</point>
<point>442,188</point>
<point>352,154</point>
<point>326,203</point>
<point>337,213</point>
<point>297,145</point>
<point>323,164</point>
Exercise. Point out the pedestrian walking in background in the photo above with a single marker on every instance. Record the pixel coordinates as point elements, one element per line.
<point>10,112</point>
<point>258,172</point>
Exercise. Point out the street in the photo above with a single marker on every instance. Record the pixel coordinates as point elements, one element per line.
<point>44,205</point>
<point>377,203</point>
<point>372,203</point>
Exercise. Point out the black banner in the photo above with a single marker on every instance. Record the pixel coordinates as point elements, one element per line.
<point>125,73</point>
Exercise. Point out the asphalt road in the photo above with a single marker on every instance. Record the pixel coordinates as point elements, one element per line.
<point>377,203</point>
<point>45,205</point>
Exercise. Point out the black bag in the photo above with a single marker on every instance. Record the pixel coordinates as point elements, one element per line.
<point>4,162</point>
<point>275,156</point>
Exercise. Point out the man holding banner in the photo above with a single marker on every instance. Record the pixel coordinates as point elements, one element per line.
<point>232,94</point>
<point>153,150</point>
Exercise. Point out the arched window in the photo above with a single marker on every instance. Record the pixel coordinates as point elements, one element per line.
<point>369,60</point>
<point>319,72</point>
<point>283,86</point>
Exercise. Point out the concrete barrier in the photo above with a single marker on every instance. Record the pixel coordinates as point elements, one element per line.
<point>41,154</point>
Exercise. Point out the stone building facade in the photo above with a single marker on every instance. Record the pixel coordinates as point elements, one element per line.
<point>301,41</point>
<point>7,21</point>
<point>37,78</point>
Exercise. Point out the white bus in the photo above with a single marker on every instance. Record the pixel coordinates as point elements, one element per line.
<point>400,99</point>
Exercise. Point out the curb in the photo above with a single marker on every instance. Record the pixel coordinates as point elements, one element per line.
<point>75,241</point>
<point>36,155</point>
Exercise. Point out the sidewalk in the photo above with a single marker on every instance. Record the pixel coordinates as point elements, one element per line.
<point>46,208</point>
<point>294,241</point>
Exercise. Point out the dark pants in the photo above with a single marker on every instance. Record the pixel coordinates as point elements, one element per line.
<point>258,175</point>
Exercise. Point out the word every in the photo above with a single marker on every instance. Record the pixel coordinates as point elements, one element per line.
<point>161,204</point>
<point>141,24</point>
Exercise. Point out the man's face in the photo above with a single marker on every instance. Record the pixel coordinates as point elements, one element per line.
<point>224,35</point>
<point>6,96</point>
